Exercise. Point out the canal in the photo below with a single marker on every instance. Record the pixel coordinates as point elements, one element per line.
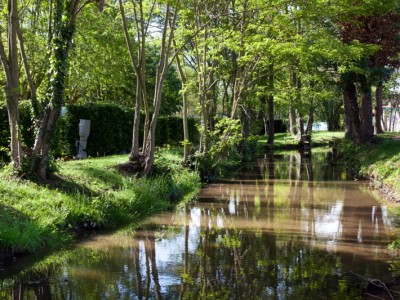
<point>286,226</point>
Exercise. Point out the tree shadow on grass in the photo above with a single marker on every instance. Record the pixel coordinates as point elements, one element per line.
<point>65,185</point>
<point>98,180</point>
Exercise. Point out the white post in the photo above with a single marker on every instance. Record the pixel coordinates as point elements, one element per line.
<point>84,131</point>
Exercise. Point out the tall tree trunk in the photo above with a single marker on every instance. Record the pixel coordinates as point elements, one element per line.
<point>270,104</point>
<point>378,109</point>
<point>150,147</point>
<point>162,69</point>
<point>271,124</point>
<point>292,120</point>
<point>134,157</point>
<point>352,110</point>
<point>310,121</point>
<point>183,78</point>
<point>32,87</point>
<point>367,129</point>
<point>62,34</point>
<point>12,89</point>
<point>348,126</point>
<point>136,122</point>
<point>292,111</point>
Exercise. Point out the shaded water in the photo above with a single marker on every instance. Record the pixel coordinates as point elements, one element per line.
<point>283,227</point>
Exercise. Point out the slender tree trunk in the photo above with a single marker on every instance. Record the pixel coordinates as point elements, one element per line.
<point>310,121</point>
<point>292,120</point>
<point>136,122</point>
<point>134,157</point>
<point>162,69</point>
<point>32,87</point>
<point>270,104</point>
<point>348,126</point>
<point>270,124</point>
<point>378,109</point>
<point>150,148</point>
<point>301,126</point>
<point>183,78</point>
<point>12,89</point>
<point>292,111</point>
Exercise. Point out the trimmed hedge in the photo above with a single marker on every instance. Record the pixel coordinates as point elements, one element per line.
<point>110,130</point>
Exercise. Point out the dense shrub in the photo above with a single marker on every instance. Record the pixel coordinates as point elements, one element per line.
<point>110,128</point>
<point>170,131</point>
<point>26,123</point>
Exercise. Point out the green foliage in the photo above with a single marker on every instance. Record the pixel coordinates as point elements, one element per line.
<point>223,152</point>
<point>86,195</point>
<point>26,127</point>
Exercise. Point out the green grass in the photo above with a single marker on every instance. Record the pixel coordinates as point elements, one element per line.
<point>87,194</point>
<point>286,140</point>
<point>379,162</point>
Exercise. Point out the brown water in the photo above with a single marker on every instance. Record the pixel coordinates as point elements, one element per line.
<point>283,227</point>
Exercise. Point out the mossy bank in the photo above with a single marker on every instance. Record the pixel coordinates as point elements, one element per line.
<point>86,195</point>
<point>379,162</point>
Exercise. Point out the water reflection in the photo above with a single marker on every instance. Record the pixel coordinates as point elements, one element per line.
<point>281,228</point>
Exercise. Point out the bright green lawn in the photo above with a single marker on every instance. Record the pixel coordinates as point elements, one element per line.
<point>287,140</point>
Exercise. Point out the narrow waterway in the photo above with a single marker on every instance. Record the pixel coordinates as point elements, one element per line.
<point>287,226</point>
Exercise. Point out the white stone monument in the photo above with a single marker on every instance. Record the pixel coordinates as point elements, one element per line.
<point>84,131</point>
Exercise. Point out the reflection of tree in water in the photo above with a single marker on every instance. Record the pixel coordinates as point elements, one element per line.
<point>34,285</point>
<point>258,263</point>
<point>246,245</point>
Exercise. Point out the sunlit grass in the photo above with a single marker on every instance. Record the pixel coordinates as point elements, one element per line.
<point>286,140</point>
<point>87,194</point>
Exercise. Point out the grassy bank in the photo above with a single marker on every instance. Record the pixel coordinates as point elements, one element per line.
<point>287,141</point>
<point>86,195</point>
<point>379,162</point>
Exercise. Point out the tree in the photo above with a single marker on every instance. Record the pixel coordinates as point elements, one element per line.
<point>61,32</point>
<point>377,28</point>
<point>12,89</point>
<point>142,161</point>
